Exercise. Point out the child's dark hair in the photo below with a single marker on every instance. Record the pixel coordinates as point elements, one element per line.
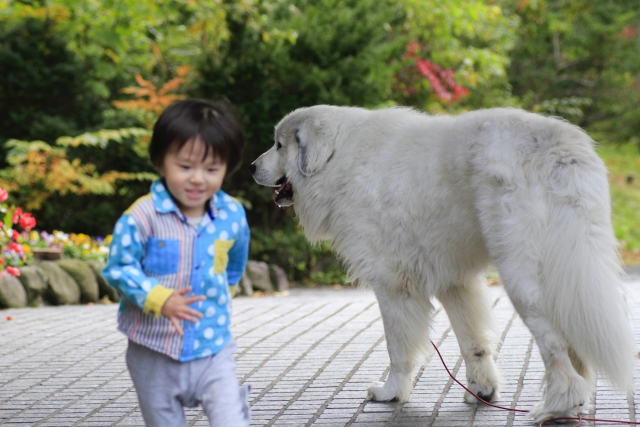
<point>217,124</point>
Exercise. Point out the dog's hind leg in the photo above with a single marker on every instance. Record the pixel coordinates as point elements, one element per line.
<point>406,320</point>
<point>516,228</point>
<point>566,391</point>
<point>469,309</point>
<point>584,369</point>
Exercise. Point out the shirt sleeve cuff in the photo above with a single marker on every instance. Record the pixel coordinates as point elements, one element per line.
<point>156,299</point>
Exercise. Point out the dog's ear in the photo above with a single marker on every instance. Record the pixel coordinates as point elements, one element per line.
<point>316,143</point>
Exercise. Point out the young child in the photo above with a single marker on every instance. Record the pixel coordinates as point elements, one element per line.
<point>175,256</point>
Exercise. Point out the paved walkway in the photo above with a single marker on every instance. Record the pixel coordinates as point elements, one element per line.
<point>309,357</point>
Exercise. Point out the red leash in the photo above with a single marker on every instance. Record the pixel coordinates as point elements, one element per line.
<point>578,418</point>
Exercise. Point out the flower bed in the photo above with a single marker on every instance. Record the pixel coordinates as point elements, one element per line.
<point>48,268</point>
<point>69,245</point>
<point>13,254</point>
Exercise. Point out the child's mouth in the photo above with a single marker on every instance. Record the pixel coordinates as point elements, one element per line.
<point>194,195</point>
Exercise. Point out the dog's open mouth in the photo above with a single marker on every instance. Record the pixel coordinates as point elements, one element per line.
<point>283,196</point>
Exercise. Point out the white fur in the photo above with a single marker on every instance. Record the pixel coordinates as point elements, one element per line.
<point>419,206</point>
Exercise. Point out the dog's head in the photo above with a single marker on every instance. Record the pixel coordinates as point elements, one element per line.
<point>305,141</point>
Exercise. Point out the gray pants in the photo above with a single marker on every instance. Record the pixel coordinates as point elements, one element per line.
<point>165,386</point>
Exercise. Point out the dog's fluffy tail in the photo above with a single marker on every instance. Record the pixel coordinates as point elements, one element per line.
<point>581,272</point>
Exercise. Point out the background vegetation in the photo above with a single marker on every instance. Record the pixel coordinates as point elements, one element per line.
<point>83,81</point>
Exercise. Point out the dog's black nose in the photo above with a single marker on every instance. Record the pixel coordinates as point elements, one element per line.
<point>252,168</point>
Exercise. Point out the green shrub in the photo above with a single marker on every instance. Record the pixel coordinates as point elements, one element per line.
<point>44,91</point>
<point>318,51</point>
<point>301,261</point>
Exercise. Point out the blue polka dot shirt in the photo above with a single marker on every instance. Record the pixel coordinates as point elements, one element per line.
<point>155,251</point>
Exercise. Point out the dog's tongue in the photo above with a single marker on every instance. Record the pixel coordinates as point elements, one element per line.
<point>282,186</point>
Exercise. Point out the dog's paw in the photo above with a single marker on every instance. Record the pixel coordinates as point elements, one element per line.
<point>540,413</point>
<point>486,393</point>
<point>566,395</point>
<point>382,392</point>
<point>483,378</point>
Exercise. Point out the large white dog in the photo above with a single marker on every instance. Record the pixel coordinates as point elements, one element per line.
<point>419,206</point>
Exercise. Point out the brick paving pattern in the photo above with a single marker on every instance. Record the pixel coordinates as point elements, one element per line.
<point>309,357</point>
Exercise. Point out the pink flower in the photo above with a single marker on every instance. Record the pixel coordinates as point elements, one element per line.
<point>13,271</point>
<point>15,247</point>
<point>4,194</point>
<point>16,215</point>
<point>27,221</point>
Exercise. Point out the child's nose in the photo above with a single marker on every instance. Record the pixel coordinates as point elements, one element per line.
<point>198,175</point>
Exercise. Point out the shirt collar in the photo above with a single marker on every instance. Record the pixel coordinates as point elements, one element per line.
<point>164,202</point>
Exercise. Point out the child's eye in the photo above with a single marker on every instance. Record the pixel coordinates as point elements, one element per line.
<point>185,167</point>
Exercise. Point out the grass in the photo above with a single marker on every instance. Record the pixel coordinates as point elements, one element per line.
<point>623,162</point>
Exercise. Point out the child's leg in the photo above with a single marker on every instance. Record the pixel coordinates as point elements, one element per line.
<point>224,402</point>
<point>159,383</point>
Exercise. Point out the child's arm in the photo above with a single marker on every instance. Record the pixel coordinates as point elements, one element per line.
<point>124,272</point>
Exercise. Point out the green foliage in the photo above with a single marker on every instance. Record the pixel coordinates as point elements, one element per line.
<point>471,37</point>
<point>44,92</point>
<point>571,108</point>
<point>39,170</point>
<point>120,37</point>
<point>279,57</point>
<point>301,261</point>
<point>60,189</point>
<point>578,59</point>
<point>102,137</point>
<point>623,162</point>
<point>322,51</point>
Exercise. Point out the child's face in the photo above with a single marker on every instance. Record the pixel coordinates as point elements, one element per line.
<point>192,180</point>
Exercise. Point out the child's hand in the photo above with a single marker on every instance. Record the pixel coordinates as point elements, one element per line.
<point>177,307</point>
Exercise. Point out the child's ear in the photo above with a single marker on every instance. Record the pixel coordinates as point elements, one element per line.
<point>159,168</point>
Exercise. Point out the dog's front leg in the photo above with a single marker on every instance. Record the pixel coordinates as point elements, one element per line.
<point>469,309</point>
<point>406,324</point>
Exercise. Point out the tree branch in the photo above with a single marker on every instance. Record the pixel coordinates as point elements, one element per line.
<point>578,80</point>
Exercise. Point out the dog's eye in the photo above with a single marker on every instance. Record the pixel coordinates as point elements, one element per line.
<point>279,146</point>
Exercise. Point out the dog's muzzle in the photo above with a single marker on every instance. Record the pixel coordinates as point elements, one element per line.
<point>283,195</point>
